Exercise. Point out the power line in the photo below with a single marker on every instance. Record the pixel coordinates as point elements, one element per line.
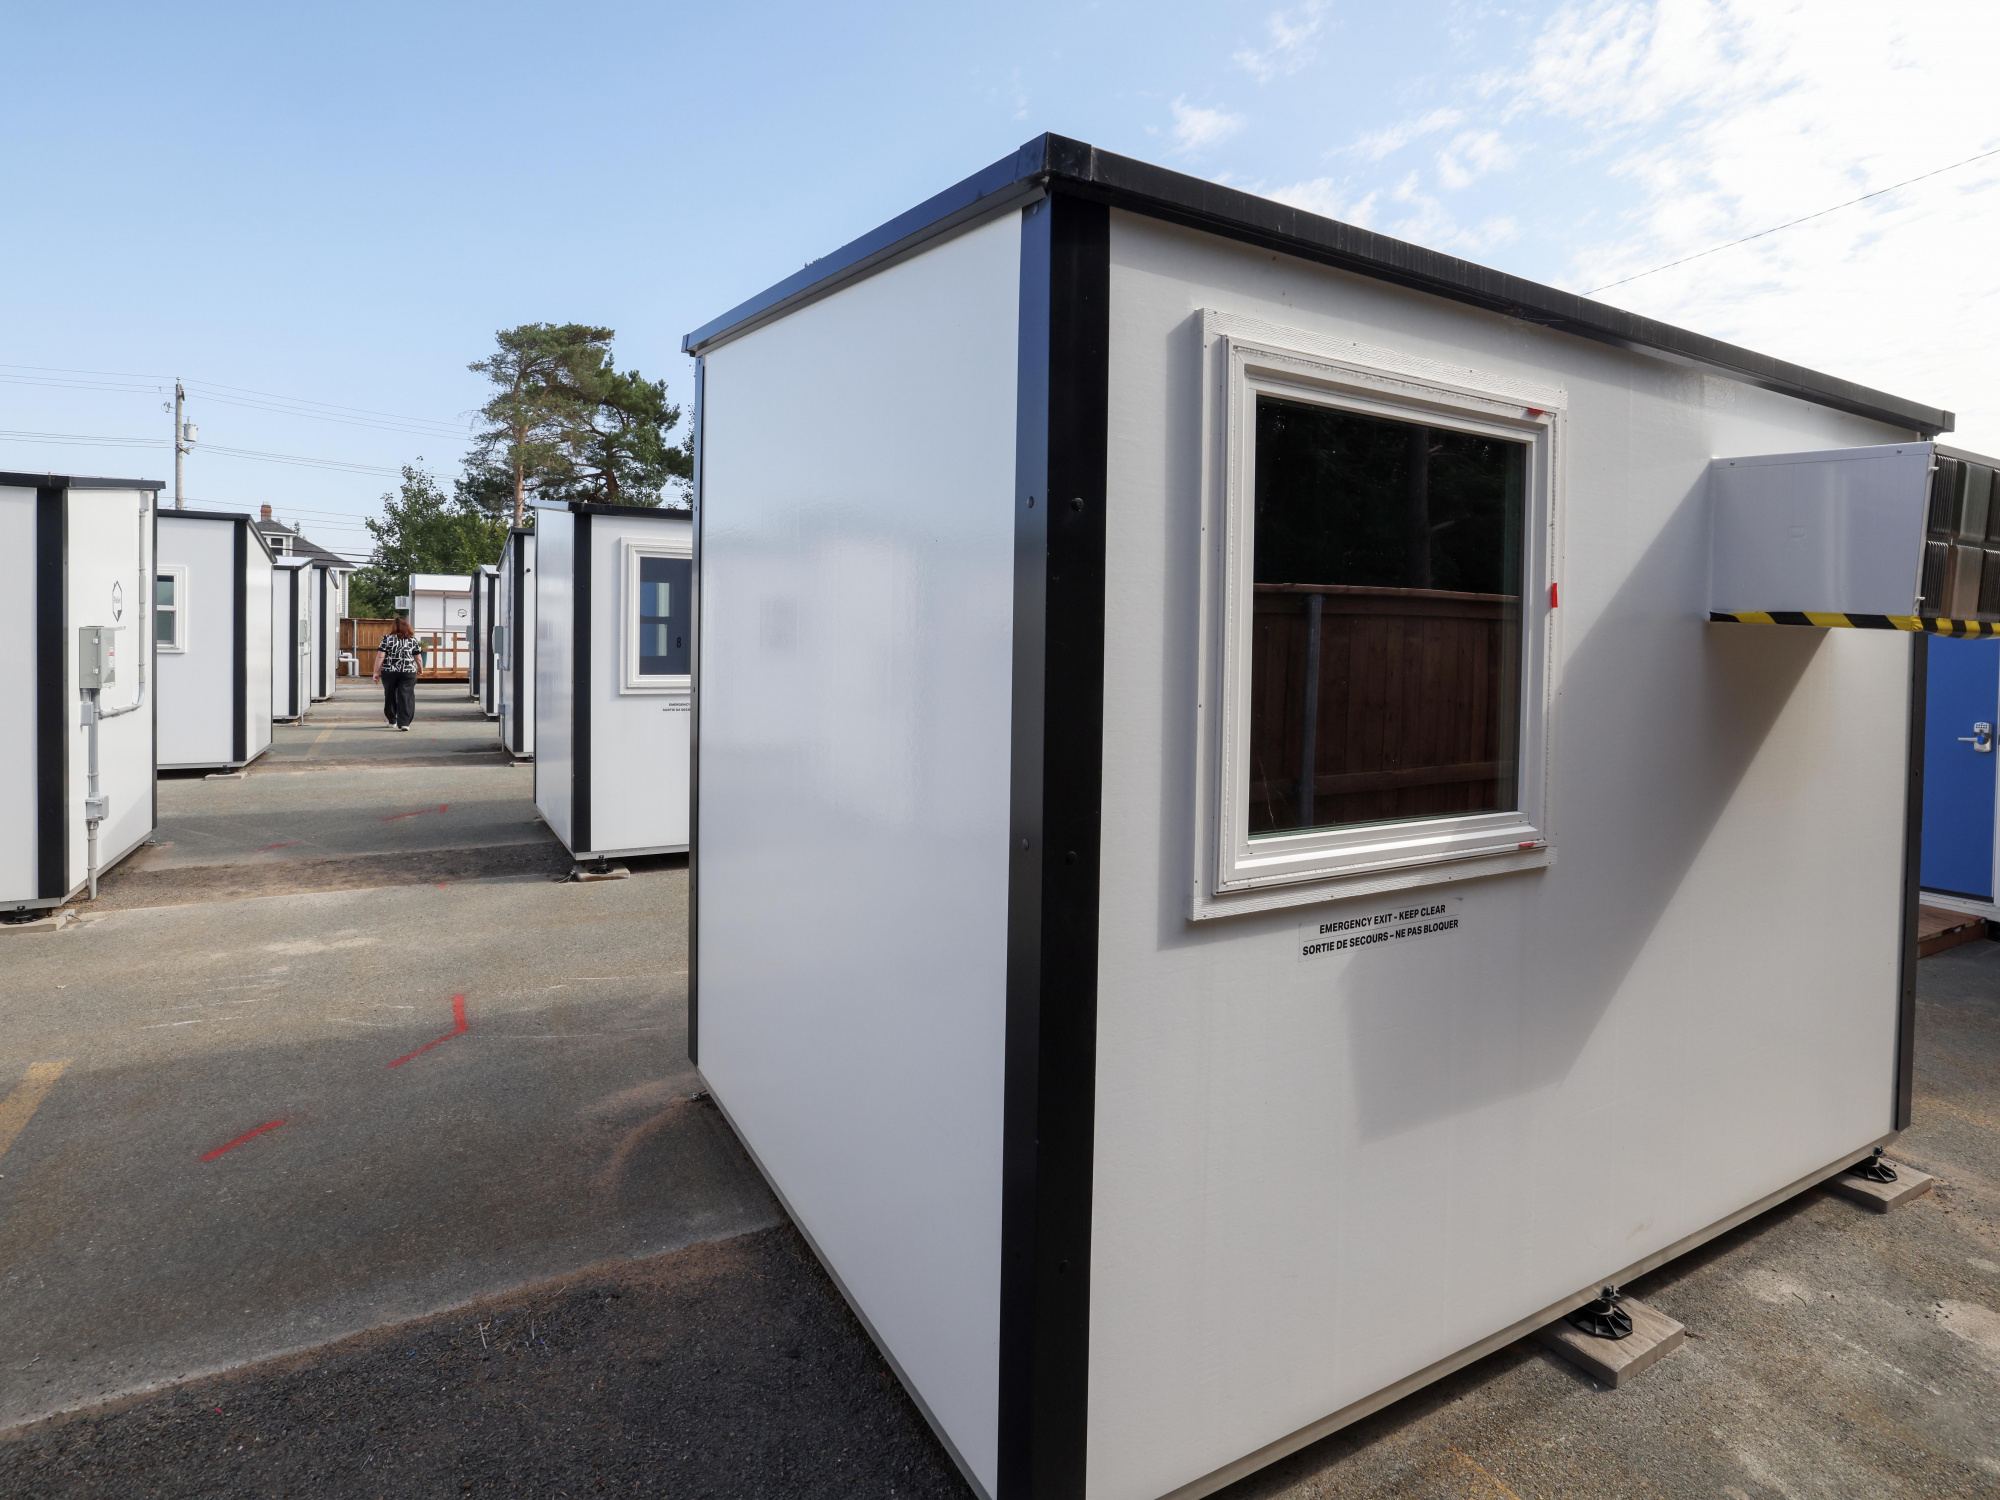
<point>85,440</point>
<point>410,427</point>
<point>441,432</point>
<point>153,382</point>
<point>1819,214</point>
<point>80,440</point>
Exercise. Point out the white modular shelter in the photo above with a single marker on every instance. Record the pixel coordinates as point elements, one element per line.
<point>614,602</point>
<point>440,601</point>
<point>485,590</point>
<point>327,607</point>
<point>76,754</point>
<point>1234,874</point>
<point>291,638</point>
<point>214,653</point>
<point>514,644</point>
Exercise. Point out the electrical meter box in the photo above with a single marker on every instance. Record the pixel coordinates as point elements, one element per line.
<point>97,661</point>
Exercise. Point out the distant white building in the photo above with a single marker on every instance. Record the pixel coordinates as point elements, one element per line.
<point>441,601</point>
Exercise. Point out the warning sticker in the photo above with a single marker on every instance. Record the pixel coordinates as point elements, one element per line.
<point>1324,936</point>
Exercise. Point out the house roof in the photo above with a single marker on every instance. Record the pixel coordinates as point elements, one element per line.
<point>297,545</point>
<point>1056,163</point>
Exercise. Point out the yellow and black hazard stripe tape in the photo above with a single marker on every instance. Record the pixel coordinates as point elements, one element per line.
<point>1926,624</point>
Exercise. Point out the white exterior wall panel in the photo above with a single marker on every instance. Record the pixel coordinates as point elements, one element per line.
<point>640,741</point>
<point>197,683</point>
<point>291,639</point>
<point>196,697</point>
<point>328,608</point>
<point>515,679</point>
<point>107,567</point>
<point>855,631</point>
<point>259,592</point>
<point>1316,1178</point>
<point>551,667</point>
<point>110,565</point>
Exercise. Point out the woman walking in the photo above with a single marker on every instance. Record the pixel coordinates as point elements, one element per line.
<point>396,668</point>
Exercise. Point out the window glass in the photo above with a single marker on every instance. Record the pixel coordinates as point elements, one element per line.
<point>664,597</point>
<point>166,611</point>
<point>1386,636</point>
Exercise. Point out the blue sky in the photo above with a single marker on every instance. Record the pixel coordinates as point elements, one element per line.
<point>337,206</point>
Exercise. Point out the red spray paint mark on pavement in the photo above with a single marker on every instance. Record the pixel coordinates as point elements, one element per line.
<point>267,848</point>
<point>458,1014</point>
<point>248,1135</point>
<point>441,807</point>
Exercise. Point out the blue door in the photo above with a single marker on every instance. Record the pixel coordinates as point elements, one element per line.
<point>1962,702</point>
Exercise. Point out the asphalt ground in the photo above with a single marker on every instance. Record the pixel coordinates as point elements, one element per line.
<point>1832,1353</point>
<point>569,1282</point>
<point>348,728</point>
<point>462,1085</point>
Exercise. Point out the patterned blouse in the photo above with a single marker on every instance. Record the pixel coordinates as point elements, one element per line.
<point>402,653</point>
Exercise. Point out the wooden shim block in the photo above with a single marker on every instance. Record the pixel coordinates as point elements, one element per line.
<point>1883,1196</point>
<point>591,872</point>
<point>1612,1362</point>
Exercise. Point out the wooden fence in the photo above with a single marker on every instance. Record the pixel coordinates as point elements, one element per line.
<point>448,652</point>
<point>1413,711</point>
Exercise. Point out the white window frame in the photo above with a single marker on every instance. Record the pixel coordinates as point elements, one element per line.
<point>631,679</point>
<point>1245,358</point>
<point>179,573</point>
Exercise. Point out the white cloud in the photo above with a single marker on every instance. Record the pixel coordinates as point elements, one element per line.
<point>1289,42</point>
<point>1472,154</point>
<point>1197,129</point>
<point>1732,116</point>
<point>1380,143</point>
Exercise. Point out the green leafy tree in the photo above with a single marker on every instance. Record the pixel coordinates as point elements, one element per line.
<point>564,423</point>
<point>615,445</point>
<point>422,531</point>
<point>536,401</point>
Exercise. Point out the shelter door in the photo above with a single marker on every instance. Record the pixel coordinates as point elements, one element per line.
<point>1962,697</point>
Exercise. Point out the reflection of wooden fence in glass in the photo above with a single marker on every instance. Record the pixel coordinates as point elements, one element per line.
<point>448,658</point>
<point>1403,701</point>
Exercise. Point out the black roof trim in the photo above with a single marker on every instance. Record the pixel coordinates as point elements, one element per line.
<point>240,518</point>
<point>206,515</point>
<point>77,482</point>
<point>1056,161</point>
<point>599,508</point>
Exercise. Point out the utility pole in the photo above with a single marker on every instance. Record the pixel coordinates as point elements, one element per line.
<point>180,446</point>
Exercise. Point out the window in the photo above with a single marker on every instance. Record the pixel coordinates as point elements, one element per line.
<point>1380,663</point>
<point>1385,655</point>
<point>659,616</point>
<point>170,609</point>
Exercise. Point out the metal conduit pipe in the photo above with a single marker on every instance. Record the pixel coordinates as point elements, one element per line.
<point>95,805</point>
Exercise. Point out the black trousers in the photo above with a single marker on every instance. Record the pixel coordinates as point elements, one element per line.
<point>399,697</point>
